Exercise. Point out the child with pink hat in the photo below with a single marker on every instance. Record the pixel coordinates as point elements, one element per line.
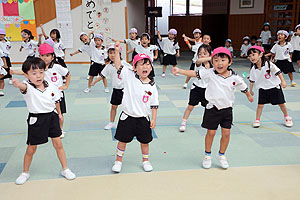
<point>170,47</point>
<point>4,61</point>
<point>222,82</point>
<point>140,100</point>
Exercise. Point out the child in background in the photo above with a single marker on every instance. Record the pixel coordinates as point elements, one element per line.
<point>197,93</point>
<point>266,36</point>
<point>269,80</point>
<point>3,72</point>
<point>194,48</point>
<point>245,46</point>
<point>197,37</point>
<point>206,39</point>
<point>99,54</point>
<point>259,43</point>
<point>253,40</point>
<point>6,46</point>
<point>282,51</point>
<point>133,41</point>
<point>228,46</point>
<point>29,44</point>
<point>148,49</point>
<point>42,100</point>
<point>139,100</point>
<point>58,47</point>
<point>295,41</point>
<point>117,84</point>
<point>170,48</point>
<point>219,93</point>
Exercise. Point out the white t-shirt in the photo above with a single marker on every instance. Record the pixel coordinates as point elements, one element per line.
<point>265,36</point>
<point>5,46</point>
<point>98,55</point>
<point>85,48</point>
<point>282,52</point>
<point>263,79</point>
<point>133,43</point>
<point>38,101</point>
<point>168,46</point>
<point>199,42</point>
<point>2,70</point>
<point>148,50</point>
<point>230,49</point>
<point>244,49</point>
<point>58,49</point>
<point>295,41</point>
<point>220,91</point>
<point>139,98</point>
<point>110,70</point>
<point>195,50</point>
<point>200,82</point>
<point>30,47</point>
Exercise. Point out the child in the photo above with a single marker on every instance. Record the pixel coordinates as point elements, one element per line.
<point>197,93</point>
<point>6,46</point>
<point>219,93</point>
<point>245,46</point>
<point>194,48</point>
<point>266,36</point>
<point>133,41</point>
<point>253,40</point>
<point>259,43</point>
<point>269,80</point>
<point>42,99</point>
<point>206,39</point>
<point>29,44</point>
<point>282,51</point>
<point>140,97</point>
<point>99,54</point>
<point>228,46</point>
<point>148,49</point>
<point>3,72</point>
<point>295,41</point>
<point>197,37</point>
<point>58,47</point>
<point>170,48</point>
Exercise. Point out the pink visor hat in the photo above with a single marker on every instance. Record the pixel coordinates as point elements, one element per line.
<point>221,50</point>
<point>112,46</point>
<point>2,32</point>
<point>45,49</point>
<point>140,56</point>
<point>257,48</point>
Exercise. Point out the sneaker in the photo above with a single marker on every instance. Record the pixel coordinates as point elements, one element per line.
<point>163,75</point>
<point>1,93</point>
<point>106,90</point>
<point>62,134</point>
<point>147,166</point>
<point>288,121</point>
<point>109,126</point>
<point>206,163</point>
<point>88,77</point>
<point>87,90</point>
<point>223,161</point>
<point>10,82</point>
<point>184,86</point>
<point>256,124</point>
<point>293,83</point>
<point>68,174</point>
<point>182,128</point>
<point>117,167</point>
<point>22,178</point>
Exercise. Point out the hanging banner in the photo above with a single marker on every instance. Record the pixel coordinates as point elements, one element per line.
<point>64,22</point>
<point>96,17</point>
<point>16,15</point>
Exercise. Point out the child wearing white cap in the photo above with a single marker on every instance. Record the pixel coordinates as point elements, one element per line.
<point>245,46</point>
<point>295,41</point>
<point>266,36</point>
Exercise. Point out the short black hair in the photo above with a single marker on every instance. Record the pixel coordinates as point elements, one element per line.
<point>33,63</point>
<point>55,31</point>
<point>223,55</point>
<point>146,60</point>
<point>206,47</point>
<point>29,33</point>
<point>109,50</point>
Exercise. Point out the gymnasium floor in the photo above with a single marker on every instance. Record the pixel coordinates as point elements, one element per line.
<point>264,162</point>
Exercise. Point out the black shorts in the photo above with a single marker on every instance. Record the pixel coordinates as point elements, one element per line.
<point>130,127</point>
<point>169,60</point>
<point>96,69</point>
<point>8,63</point>
<point>197,95</point>
<point>62,104</point>
<point>61,62</point>
<point>296,56</point>
<point>41,126</point>
<point>116,96</point>
<point>285,66</point>
<point>213,117</point>
<point>192,67</point>
<point>133,54</point>
<point>273,96</point>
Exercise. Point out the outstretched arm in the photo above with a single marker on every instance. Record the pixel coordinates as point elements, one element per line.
<point>117,55</point>
<point>21,86</point>
<point>191,73</point>
<point>158,35</point>
<point>43,31</point>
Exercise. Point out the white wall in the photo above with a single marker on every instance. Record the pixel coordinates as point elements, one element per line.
<point>136,15</point>
<point>118,31</point>
<point>259,6</point>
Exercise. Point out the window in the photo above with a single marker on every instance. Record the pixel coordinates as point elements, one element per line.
<point>179,7</point>
<point>196,7</point>
<point>186,7</point>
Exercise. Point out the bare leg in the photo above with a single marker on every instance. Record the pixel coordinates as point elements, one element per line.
<point>291,76</point>
<point>31,149</point>
<point>187,112</point>
<point>259,111</point>
<point>209,138</point>
<point>91,78</point>
<point>283,109</point>
<point>61,122</point>
<point>224,139</point>
<point>105,82</point>
<point>122,147</point>
<point>164,68</point>
<point>60,151</point>
<point>145,150</point>
<point>1,84</point>
<point>113,112</point>
<point>188,78</point>
<point>298,65</point>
